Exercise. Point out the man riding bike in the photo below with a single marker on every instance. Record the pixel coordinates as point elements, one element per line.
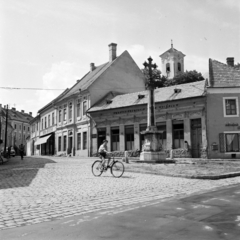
<point>103,152</point>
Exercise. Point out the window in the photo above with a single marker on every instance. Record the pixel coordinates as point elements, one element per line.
<point>101,136</point>
<point>78,108</point>
<point>20,127</point>
<point>60,116</point>
<point>115,139</point>
<point>53,118</point>
<point>24,128</point>
<point>84,140</point>
<point>15,126</point>
<point>42,123</point>
<point>59,143</point>
<point>168,67</point>
<point>79,141</point>
<point>129,137</point>
<point>230,107</point>
<point>64,114</point>
<point>179,67</point>
<point>48,120</point>
<point>70,111</point>
<point>232,142</point>
<point>64,143</point>
<point>37,126</point>
<point>45,122</point>
<point>84,107</point>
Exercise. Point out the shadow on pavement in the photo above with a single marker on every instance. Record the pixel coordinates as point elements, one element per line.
<point>20,173</point>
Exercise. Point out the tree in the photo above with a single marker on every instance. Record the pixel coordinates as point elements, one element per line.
<point>158,80</point>
<point>237,66</point>
<point>186,77</point>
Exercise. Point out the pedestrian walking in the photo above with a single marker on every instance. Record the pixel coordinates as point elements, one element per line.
<point>21,149</point>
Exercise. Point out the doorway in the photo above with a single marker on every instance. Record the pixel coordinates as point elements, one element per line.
<point>196,137</point>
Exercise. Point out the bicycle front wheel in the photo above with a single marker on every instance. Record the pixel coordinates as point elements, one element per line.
<point>97,168</point>
<point>117,169</point>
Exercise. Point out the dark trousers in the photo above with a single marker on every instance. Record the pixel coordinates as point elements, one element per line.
<point>21,154</point>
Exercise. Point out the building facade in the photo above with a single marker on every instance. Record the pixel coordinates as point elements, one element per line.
<point>65,128</point>
<point>223,110</point>
<point>18,127</point>
<point>180,115</point>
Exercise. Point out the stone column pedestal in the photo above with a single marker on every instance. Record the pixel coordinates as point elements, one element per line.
<point>152,149</point>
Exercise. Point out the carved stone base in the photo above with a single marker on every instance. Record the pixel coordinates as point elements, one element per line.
<point>153,156</point>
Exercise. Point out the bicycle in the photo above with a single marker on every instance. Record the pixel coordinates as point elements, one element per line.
<point>117,168</point>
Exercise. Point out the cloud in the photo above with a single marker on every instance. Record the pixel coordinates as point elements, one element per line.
<point>197,63</point>
<point>61,76</point>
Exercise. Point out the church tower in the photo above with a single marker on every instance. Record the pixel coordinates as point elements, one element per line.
<point>172,62</point>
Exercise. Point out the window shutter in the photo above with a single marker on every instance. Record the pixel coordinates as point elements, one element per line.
<point>221,143</point>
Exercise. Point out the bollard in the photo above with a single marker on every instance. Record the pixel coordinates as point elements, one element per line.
<point>171,154</point>
<point>126,157</point>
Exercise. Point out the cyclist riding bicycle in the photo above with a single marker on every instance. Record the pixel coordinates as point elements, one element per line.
<point>103,151</point>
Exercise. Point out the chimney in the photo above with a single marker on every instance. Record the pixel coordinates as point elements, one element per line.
<point>30,113</point>
<point>230,61</point>
<point>92,67</point>
<point>112,51</point>
<point>22,111</point>
<point>14,109</point>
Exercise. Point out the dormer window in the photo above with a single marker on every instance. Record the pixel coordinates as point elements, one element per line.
<point>108,101</point>
<point>177,90</point>
<point>140,96</point>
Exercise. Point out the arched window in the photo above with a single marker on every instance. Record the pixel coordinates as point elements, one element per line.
<point>179,67</point>
<point>168,67</point>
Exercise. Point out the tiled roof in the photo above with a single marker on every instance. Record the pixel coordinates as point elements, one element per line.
<point>172,50</point>
<point>87,80</point>
<point>17,116</point>
<point>222,75</point>
<point>188,90</point>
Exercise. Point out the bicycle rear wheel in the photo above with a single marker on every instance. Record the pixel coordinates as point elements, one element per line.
<point>97,168</point>
<point>117,169</point>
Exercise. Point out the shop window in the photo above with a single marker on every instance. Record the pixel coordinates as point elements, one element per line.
<point>101,135</point>
<point>142,127</point>
<point>64,143</point>
<point>78,141</point>
<point>129,137</point>
<point>230,107</point>
<point>178,136</point>
<point>84,140</point>
<point>59,143</point>
<point>115,139</point>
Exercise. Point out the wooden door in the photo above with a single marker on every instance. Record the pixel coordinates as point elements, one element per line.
<point>196,137</point>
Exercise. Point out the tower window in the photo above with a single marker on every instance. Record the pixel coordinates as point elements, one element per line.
<point>168,67</point>
<point>179,67</point>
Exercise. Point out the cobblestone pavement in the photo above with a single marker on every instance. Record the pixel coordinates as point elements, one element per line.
<point>66,187</point>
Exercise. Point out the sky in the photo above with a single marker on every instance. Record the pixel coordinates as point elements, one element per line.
<point>49,44</point>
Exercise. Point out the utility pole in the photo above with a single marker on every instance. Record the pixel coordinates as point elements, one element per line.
<point>5,143</point>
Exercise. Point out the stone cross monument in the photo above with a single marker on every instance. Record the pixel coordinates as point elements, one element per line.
<point>152,148</point>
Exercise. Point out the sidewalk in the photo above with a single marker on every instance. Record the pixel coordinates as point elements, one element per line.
<point>186,168</point>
